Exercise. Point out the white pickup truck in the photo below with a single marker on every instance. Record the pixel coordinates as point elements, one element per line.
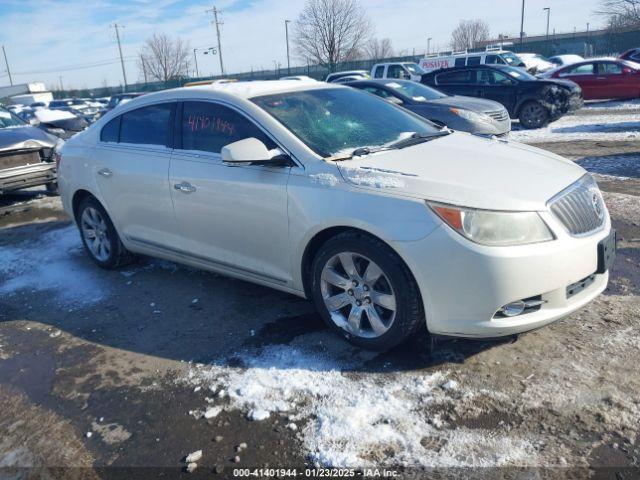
<point>398,70</point>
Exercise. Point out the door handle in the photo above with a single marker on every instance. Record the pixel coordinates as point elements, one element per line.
<point>105,172</point>
<point>184,187</point>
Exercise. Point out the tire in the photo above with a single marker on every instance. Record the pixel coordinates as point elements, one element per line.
<point>94,222</point>
<point>533,115</point>
<point>52,188</point>
<point>384,286</point>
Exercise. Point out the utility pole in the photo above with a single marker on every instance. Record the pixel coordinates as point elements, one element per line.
<point>61,87</point>
<point>195,58</point>
<point>144,68</point>
<point>429,45</point>
<point>286,32</point>
<point>4,52</point>
<point>217,24</point>
<point>548,9</point>
<point>522,24</point>
<point>124,73</point>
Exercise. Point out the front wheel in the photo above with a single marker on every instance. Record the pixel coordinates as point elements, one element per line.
<point>533,115</point>
<point>99,236</point>
<point>365,292</point>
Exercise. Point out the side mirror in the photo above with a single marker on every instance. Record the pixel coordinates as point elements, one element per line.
<point>251,151</point>
<point>394,100</point>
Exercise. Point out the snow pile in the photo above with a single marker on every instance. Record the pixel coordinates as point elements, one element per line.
<point>50,262</point>
<point>595,127</point>
<point>346,418</point>
<point>372,178</point>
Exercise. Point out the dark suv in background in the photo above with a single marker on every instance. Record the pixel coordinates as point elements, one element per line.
<point>535,102</point>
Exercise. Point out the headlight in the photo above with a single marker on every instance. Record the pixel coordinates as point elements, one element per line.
<point>471,116</point>
<point>494,228</point>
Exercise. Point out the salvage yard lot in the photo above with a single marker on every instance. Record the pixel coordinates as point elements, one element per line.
<point>142,366</point>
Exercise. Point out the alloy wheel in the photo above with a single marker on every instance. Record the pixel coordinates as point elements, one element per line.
<point>96,234</point>
<point>358,295</point>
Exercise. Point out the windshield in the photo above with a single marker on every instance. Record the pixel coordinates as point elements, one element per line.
<point>336,121</point>
<point>512,59</point>
<point>518,73</point>
<point>416,91</point>
<point>8,119</point>
<point>414,68</point>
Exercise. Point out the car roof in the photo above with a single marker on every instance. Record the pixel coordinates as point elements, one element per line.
<point>262,87</point>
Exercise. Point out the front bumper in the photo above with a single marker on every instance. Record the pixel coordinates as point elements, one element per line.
<point>27,176</point>
<point>464,284</point>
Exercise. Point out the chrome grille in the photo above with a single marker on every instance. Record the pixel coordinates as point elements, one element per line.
<point>580,207</point>
<point>499,115</point>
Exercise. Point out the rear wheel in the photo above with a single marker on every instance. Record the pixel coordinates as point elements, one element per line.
<point>533,115</point>
<point>365,292</point>
<point>99,236</point>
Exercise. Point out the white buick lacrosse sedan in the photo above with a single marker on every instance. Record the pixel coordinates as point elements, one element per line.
<point>386,221</point>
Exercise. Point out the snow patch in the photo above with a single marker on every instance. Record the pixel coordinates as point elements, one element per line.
<point>372,178</point>
<point>345,418</point>
<point>583,127</point>
<point>50,262</point>
<point>327,179</point>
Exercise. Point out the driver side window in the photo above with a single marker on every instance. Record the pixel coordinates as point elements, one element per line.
<point>395,71</point>
<point>208,127</point>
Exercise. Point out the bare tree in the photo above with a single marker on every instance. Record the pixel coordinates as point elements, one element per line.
<point>468,33</point>
<point>163,58</point>
<point>377,49</point>
<point>331,31</point>
<point>620,13</point>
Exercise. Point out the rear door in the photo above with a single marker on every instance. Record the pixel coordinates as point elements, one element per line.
<point>611,81</point>
<point>131,168</point>
<point>230,217</point>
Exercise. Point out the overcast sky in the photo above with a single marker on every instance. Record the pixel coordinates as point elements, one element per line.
<point>48,38</point>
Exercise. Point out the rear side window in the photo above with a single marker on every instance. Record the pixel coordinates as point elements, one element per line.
<point>209,127</point>
<point>462,77</point>
<point>609,68</point>
<point>460,62</point>
<point>110,131</point>
<point>147,125</point>
<point>473,61</point>
<point>586,69</point>
<point>379,72</point>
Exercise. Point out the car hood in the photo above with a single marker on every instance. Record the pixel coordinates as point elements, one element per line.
<point>18,138</point>
<point>466,170</point>
<point>468,103</point>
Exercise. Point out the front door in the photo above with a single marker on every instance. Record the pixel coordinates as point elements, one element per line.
<point>230,217</point>
<point>498,86</point>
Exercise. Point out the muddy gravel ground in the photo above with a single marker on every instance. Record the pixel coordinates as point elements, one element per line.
<point>121,374</point>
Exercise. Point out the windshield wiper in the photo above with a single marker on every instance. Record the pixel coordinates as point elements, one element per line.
<point>417,138</point>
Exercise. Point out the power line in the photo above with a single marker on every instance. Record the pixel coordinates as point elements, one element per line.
<point>67,68</point>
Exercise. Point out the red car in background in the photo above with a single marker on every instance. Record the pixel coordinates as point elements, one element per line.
<point>602,78</point>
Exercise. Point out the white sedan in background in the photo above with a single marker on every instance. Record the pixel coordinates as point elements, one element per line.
<point>389,223</point>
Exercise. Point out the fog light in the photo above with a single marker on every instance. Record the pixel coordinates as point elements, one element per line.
<point>513,309</point>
